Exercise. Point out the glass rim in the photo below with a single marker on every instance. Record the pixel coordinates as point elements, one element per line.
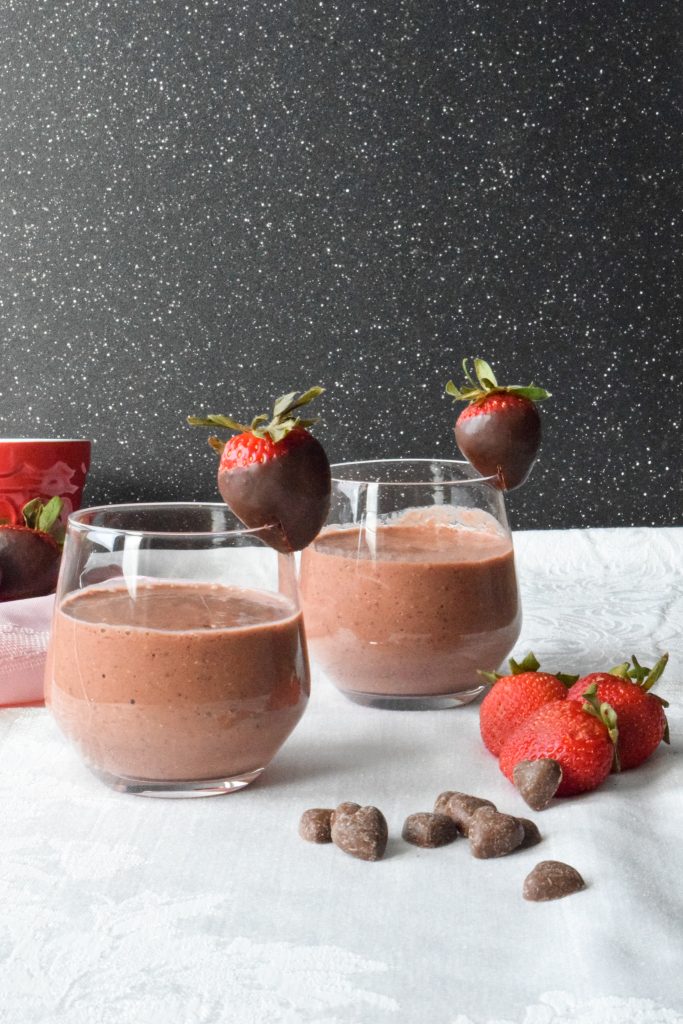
<point>75,520</point>
<point>478,479</point>
<point>45,440</point>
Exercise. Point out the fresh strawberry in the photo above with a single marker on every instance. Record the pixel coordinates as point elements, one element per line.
<point>581,737</point>
<point>500,430</point>
<point>30,552</point>
<point>514,698</point>
<point>275,474</point>
<point>642,722</point>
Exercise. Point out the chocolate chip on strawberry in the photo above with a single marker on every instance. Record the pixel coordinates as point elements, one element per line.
<point>275,474</point>
<point>493,834</point>
<point>429,830</point>
<point>460,807</point>
<point>537,781</point>
<point>500,430</point>
<point>551,880</point>
<point>582,738</point>
<point>30,553</point>
<point>315,825</point>
<point>362,832</point>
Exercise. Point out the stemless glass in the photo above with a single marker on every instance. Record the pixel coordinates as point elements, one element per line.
<point>177,663</point>
<point>411,585</point>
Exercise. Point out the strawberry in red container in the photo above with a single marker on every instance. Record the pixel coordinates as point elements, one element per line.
<point>581,736</point>
<point>275,474</point>
<point>499,432</point>
<point>515,697</point>
<point>30,552</point>
<point>642,721</point>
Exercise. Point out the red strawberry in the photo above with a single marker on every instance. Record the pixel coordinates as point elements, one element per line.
<point>500,430</point>
<point>30,552</point>
<point>642,722</point>
<point>514,697</point>
<point>580,737</point>
<point>275,474</point>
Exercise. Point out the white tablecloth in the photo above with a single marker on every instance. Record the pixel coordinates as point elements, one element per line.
<point>118,909</point>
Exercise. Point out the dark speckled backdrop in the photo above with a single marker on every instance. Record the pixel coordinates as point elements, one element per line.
<point>203,205</point>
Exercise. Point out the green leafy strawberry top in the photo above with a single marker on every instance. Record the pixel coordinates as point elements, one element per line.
<point>530,663</point>
<point>43,518</point>
<point>486,384</point>
<point>283,421</point>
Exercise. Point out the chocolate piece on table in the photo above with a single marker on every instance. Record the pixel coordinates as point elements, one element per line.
<point>460,807</point>
<point>492,834</point>
<point>348,807</point>
<point>537,781</point>
<point>531,834</point>
<point>551,880</point>
<point>316,825</point>
<point>362,833</point>
<point>429,830</point>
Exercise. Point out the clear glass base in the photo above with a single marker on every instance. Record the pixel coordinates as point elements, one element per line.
<point>172,788</point>
<point>398,702</point>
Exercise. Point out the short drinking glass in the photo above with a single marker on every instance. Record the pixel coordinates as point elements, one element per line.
<point>177,664</point>
<point>411,586</point>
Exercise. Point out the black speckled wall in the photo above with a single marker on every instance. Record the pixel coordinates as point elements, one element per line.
<point>203,205</point>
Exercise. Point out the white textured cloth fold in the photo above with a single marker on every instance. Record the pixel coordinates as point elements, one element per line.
<point>124,910</point>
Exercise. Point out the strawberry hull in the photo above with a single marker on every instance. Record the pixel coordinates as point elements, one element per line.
<point>290,494</point>
<point>501,443</point>
<point>29,563</point>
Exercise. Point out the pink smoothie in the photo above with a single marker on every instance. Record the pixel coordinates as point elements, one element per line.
<point>410,609</point>
<point>183,682</point>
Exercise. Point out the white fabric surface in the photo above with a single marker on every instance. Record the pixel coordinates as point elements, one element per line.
<point>119,909</point>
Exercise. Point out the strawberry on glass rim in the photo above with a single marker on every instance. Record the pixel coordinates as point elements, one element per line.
<point>499,432</point>
<point>274,473</point>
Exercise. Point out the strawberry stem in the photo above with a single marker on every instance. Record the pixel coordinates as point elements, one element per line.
<point>284,419</point>
<point>45,518</point>
<point>606,714</point>
<point>487,384</point>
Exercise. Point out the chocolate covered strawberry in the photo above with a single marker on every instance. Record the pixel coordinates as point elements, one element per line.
<point>580,736</point>
<point>30,552</point>
<point>515,697</point>
<point>274,473</point>
<point>500,430</point>
<point>642,722</point>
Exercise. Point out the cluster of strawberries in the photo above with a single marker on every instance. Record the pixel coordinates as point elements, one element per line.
<point>590,726</point>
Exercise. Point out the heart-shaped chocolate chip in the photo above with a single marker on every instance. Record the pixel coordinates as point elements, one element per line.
<point>362,832</point>
<point>531,834</point>
<point>429,830</point>
<point>551,880</point>
<point>493,834</point>
<point>315,825</point>
<point>460,807</point>
<point>537,781</point>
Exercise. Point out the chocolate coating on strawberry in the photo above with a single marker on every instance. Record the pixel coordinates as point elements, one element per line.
<point>500,430</point>
<point>289,493</point>
<point>30,553</point>
<point>275,475</point>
